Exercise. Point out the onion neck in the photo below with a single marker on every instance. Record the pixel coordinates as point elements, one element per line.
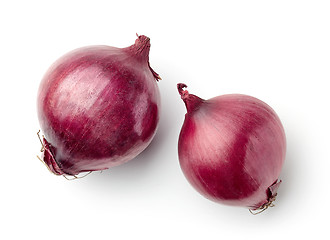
<point>191,101</point>
<point>140,49</point>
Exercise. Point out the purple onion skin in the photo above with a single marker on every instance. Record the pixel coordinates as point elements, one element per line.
<point>98,107</point>
<point>231,149</point>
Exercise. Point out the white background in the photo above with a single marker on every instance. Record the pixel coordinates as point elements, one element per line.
<point>278,51</point>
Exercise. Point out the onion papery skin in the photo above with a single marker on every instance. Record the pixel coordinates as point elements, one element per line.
<point>98,107</point>
<point>231,149</point>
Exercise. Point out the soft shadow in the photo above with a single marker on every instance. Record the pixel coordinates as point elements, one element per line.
<point>133,169</point>
<point>292,172</point>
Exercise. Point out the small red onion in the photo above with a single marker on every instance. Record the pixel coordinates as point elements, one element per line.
<point>231,149</point>
<point>98,107</point>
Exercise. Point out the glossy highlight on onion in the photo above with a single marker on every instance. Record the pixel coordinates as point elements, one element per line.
<point>231,149</point>
<point>98,107</point>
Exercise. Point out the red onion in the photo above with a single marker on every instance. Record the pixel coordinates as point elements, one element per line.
<point>231,149</point>
<point>98,107</point>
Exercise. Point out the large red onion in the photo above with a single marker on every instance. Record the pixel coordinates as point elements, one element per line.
<point>98,107</point>
<point>231,149</point>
